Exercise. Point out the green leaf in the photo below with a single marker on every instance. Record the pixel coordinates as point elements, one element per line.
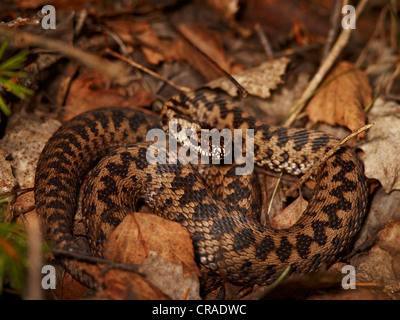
<point>15,62</point>
<point>12,68</point>
<point>3,47</point>
<point>16,89</point>
<point>4,108</point>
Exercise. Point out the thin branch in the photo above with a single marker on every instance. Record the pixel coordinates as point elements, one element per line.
<point>35,21</point>
<point>91,259</point>
<point>23,39</point>
<point>334,27</point>
<point>264,41</point>
<point>322,160</point>
<point>274,193</point>
<point>340,43</point>
<point>243,92</point>
<point>150,72</point>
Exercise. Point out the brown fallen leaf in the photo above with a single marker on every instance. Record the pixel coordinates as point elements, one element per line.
<point>140,33</point>
<point>382,149</point>
<point>288,216</point>
<point>90,90</point>
<point>170,279</point>
<point>383,208</point>
<point>67,289</point>
<point>209,42</point>
<point>128,30</point>
<point>139,233</point>
<point>157,50</point>
<point>124,285</point>
<point>258,81</point>
<point>342,98</point>
<point>141,237</point>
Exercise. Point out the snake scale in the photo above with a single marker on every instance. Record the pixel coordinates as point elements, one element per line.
<point>108,146</point>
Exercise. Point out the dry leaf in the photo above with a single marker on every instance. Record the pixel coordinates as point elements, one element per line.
<point>90,91</point>
<point>342,101</point>
<point>68,288</point>
<point>124,285</point>
<point>210,43</point>
<point>382,149</point>
<point>140,237</point>
<point>169,278</point>
<point>127,30</point>
<point>288,216</point>
<point>139,233</point>
<point>258,81</point>
<point>381,263</point>
<point>383,208</point>
<point>140,33</point>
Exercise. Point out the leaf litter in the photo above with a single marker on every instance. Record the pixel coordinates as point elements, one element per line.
<point>226,35</point>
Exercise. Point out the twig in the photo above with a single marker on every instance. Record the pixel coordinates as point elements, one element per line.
<point>243,92</point>
<point>35,21</point>
<point>24,39</point>
<point>340,43</point>
<point>264,41</point>
<point>377,30</point>
<point>274,193</point>
<point>185,295</point>
<point>333,29</point>
<point>322,160</point>
<point>150,72</point>
<point>18,191</point>
<point>34,291</point>
<point>91,259</point>
<point>394,26</point>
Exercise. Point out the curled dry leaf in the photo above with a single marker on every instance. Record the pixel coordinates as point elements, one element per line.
<point>383,208</point>
<point>342,97</point>
<point>382,148</point>
<point>139,234</point>
<point>382,263</point>
<point>258,81</point>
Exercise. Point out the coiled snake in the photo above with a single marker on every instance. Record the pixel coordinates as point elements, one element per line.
<point>230,244</point>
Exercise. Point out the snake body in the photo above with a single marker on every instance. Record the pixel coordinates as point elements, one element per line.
<point>217,207</point>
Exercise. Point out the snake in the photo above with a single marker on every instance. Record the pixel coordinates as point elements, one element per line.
<point>105,152</point>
